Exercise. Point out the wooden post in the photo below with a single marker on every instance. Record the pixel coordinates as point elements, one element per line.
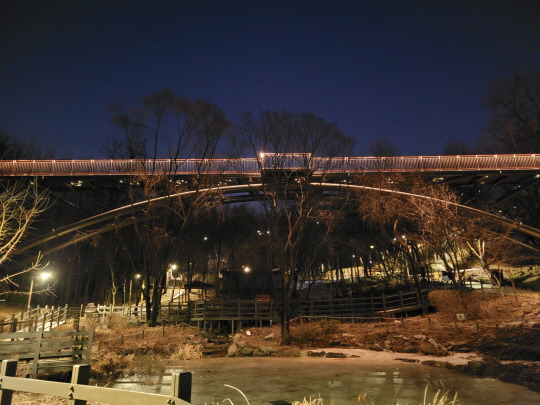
<point>384,302</point>
<point>81,376</point>
<point>401,299</point>
<point>9,369</point>
<point>13,323</point>
<point>181,386</point>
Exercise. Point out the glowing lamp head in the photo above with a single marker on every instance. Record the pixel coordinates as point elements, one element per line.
<point>247,269</point>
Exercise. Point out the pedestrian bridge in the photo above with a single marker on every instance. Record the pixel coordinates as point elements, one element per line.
<point>253,166</point>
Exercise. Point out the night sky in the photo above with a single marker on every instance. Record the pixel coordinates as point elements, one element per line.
<point>412,71</point>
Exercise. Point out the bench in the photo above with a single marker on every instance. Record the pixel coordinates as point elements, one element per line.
<point>47,350</point>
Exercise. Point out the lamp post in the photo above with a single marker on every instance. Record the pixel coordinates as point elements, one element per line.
<point>137,276</point>
<point>173,267</point>
<point>44,275</point>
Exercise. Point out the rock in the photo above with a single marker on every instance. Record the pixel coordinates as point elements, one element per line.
<point>387,345</point>
<point>348,335</point>
<point>408,349</point>
<point>206,334</point>
<point>231,352</point>
<point>336,355</point>
<point>376,347</point>
<point>475,367</point>
<point>297,353</point>
<point>435,363</point>
<point>247,351</point>
<point>335,343</point>
<point>241,344</point>
<point>316,354</point>
<point>237,337</point>
<point>268,351</point>
<point>419,337</point>
<point>406,360</point>
<point>462,368</point>
<point>269,337</point>
<point>430,347</point>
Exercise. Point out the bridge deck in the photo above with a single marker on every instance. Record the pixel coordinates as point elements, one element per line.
<point>253,166</point>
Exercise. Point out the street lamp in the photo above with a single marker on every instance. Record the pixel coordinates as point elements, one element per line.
<point>137,276</point>
<point>247,269</point>
<point>43,275</point>
<point>173,278</point>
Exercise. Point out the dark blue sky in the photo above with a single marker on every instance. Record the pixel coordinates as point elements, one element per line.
<point>413,71</point>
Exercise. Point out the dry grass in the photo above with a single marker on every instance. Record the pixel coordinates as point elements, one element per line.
<point>187,351</point>
<point>24,398</point>
<point>315,333</point>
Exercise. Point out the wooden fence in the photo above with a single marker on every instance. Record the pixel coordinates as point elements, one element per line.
<point>46,318</point>
<point>363,307</point>
<point>79,392</point>
<point>265,310</point>
<point>47,350</point>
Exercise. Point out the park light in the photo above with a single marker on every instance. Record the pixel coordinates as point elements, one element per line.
<point>43,276</point>
<point>137,276</point>
<point>261,155</point>
<point>247,269</point>
<point>205,238</point>
<point>372,246</point>
<point>174,266</point>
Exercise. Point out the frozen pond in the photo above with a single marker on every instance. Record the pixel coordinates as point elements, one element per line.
<point>292,379</point>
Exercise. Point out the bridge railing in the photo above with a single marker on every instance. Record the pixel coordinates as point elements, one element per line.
<point>247,166</point>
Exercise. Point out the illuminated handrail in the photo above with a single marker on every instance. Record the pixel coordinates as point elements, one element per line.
<point>253,166</point>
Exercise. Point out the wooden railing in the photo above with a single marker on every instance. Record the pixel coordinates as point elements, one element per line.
<point>364,307</point>
<point>46,318</point>
<point>233,309</point>
<point>47,350</point>
<point>79,392</point>
<point>242,310</point>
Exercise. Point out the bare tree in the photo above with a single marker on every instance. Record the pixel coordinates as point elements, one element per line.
<point>515,103</point>
<point>172,125</point>
<point>285,144</point>
<point>20,205</point>
<point>383,146</point>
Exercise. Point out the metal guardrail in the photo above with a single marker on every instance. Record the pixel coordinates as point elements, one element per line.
<point>253,166</point>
